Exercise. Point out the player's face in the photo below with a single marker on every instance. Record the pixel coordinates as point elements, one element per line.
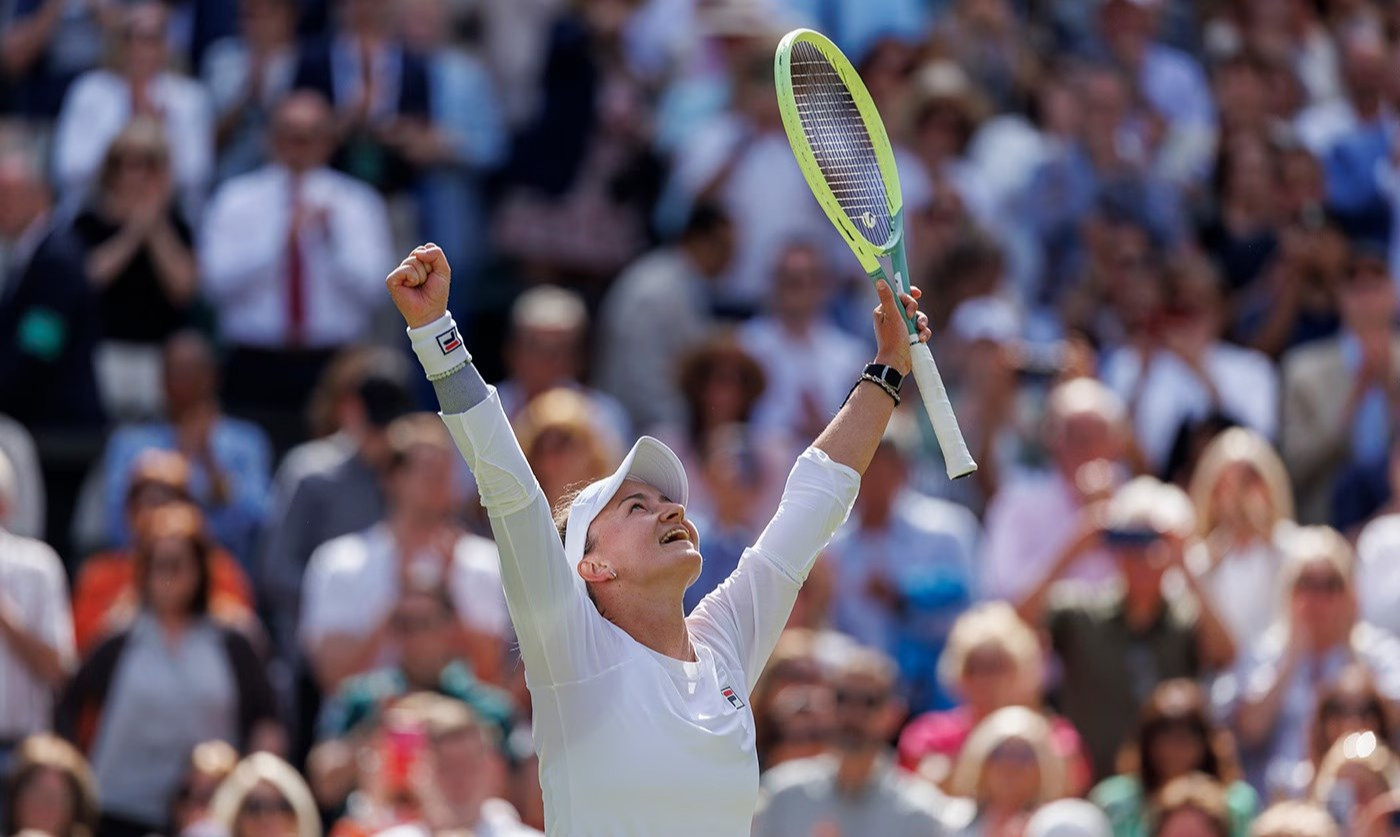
<point>645,536</point>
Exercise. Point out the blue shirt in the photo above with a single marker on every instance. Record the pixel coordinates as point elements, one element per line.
<point>242,453</point>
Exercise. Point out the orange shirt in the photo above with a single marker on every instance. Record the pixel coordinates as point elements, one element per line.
<point>105,587</point>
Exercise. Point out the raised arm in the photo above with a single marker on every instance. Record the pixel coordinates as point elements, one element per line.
<point>852,437</point>
<point>745,615</point>
<point>544,595</point>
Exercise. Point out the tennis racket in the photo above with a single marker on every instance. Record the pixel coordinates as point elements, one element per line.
<point>845,156</point>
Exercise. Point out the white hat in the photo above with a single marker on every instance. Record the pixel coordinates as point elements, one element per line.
<point>649,461</point>
<point>986,318</point>
<point>1068,818</point>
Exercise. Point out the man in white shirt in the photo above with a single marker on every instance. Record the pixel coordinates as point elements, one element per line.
<point>36,628</point>
<point>798,346</point>
<point>292,256</point>
<point>640,345</point>
<point>354,581</point>
<point>1030,520</point>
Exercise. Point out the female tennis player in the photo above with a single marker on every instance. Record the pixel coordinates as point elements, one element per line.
<point>641,716</point>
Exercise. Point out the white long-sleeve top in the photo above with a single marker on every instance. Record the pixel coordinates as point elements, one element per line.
<point>632,742</point>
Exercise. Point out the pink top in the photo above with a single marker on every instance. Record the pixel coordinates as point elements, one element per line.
<point>944,733</point>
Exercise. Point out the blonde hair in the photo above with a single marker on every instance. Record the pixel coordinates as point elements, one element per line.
<point>40,752</point>
<point>566,411</point>
<point>1239,446</point>
<point>1294,819</point>
<point>1309,545</point>
<point>142,135</point>
<point>253,771</point>
<point>1011,723</point>
<point>1364,749</point>
<point>993,624</point>
<point>1083,395</point>
<point>1147,501</point>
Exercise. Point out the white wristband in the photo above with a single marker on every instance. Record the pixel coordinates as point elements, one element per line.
<point>439,347</point>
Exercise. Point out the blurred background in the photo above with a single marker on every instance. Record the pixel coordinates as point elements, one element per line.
<point>245,585</point>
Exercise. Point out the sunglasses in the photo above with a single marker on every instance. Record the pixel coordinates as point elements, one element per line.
<point>860,700</point>
<point>257,806</point>
<point>1350,709</point>
<point>1013,752</point>
<point>1319,584</point>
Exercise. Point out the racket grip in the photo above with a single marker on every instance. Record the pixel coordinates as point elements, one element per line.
<point>940,413</point>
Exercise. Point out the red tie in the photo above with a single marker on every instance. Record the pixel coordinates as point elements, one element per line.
<point>296,291</point>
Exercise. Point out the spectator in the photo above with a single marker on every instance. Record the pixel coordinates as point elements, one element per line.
<point>556,433</point>
<point>1008,769</point>
<point>1193,806</point>
<point>1176,741</point>
<point>1294,819</point>
<point>640,350</point>
<point>583,178</point>
<point>855,789</point>
<point>794,664</point>
<point>36,632</point>
<point>47,44</point>
<point>200,679</point>
<point>49,319</point>
<point>292,256</point>
<point>546,349</point>
<point>722,384</point>
<point>1186,372</point>
<point>353,581</point>
<point>230,460</point>
<point>424,631</point>
<point>1242,233</point>
<point>460,147</point>
<point>104,590</point>
<point>1377,580</point>
<point>804,723</point>
<point>247,75</point>
<point>22,482</point>
<point>796,342</point>
<point>1029,521</point>
<point>992,660</point>
<point>904,571</point>
<point>1337,392</point>
<point>345,498</point>
<point>1349,703</point>
<point>265,797</point>
<point>1276,688</point>
<point>140,260</point>
<point>209,764</point>
<point>1244,510</point>
<point>100,103</point>
<point>1356,771</point>
<point>48,790</point>
<point>1118,643</point>
<point>376,87</point>
<point>457,789</point>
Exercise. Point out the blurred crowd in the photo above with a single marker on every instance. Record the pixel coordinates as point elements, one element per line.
<point>246,589</point>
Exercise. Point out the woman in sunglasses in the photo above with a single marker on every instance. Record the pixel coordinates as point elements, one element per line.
<point>1276,691</point>
<point>264,797</point>
<point>1350,703</point>
<point>1175,738</point>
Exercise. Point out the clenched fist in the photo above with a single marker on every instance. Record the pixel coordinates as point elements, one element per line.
<point>419,285</point>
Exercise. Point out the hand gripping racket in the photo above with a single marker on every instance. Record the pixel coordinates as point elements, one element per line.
<point>845,156</point>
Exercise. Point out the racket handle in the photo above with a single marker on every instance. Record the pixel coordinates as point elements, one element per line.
<point>940,413</point>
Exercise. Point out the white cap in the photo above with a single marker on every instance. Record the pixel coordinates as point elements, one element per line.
<point>1068,818</point>
<point>649,461</point>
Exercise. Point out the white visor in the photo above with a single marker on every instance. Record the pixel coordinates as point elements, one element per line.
<point>649,461</point>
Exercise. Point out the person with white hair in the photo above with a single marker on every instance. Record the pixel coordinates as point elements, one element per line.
<point>36,628</point>
<point>546,349</point>
<point>1117,642</point>
<point>1033,520</point>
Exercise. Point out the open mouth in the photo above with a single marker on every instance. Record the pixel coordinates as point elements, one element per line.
<point>676,534</point>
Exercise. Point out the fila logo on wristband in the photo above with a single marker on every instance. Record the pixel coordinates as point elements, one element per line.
<point>733,697</point>
<point>449,341</point>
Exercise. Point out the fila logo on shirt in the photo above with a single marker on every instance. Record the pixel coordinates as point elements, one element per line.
<point>448,340</point>
<point>733,697</point>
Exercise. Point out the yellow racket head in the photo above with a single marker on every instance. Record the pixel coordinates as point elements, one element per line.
<point>840,143</point>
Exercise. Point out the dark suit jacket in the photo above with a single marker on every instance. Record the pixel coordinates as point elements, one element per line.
<point>49,327</point>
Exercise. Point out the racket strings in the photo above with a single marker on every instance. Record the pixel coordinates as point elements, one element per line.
<point>840,142</point>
